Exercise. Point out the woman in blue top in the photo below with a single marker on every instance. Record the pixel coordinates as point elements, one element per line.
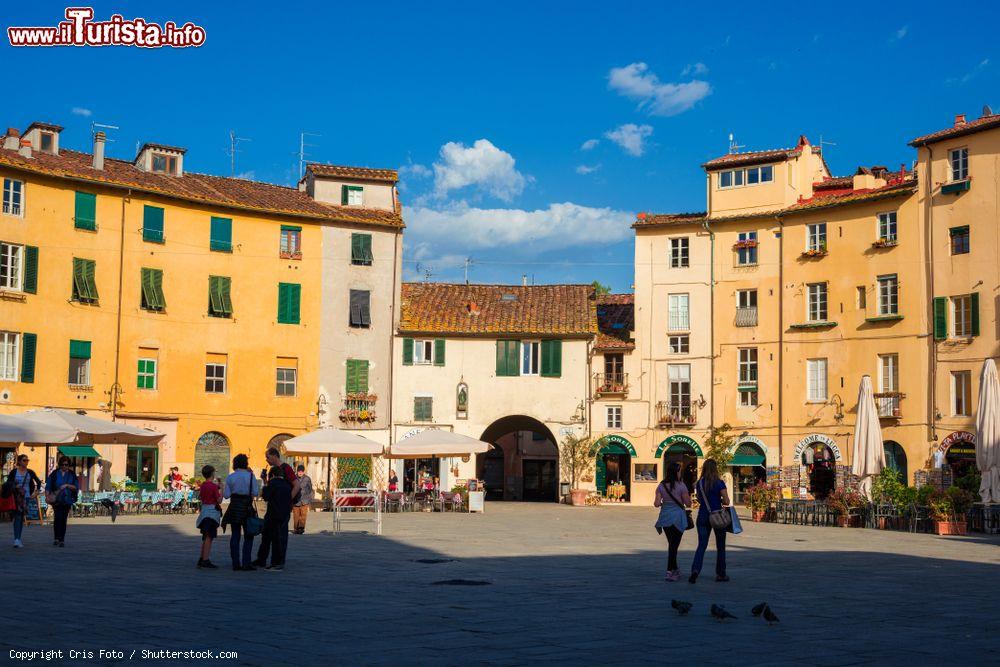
<point>61,488</point>
<point>712,497</point>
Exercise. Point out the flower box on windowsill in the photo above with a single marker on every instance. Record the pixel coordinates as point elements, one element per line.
<point>290,255</point>
<point>884,318</point>
<point>81,387</point>
<point>885,243</point>
<point>12,295</point>
<point>825,324</point>
<point>814,252</point>
<point>740,245</point>
<point>956,187</point>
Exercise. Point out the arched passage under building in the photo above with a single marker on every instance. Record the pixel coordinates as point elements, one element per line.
<point>614,468</point>
<point>685,451</point>
<point>523,463</point>
<point>895,458</point>
<point>747,466</point>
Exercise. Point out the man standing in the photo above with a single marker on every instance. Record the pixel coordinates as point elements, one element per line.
<point>273,457</point>
<point>301,510</point>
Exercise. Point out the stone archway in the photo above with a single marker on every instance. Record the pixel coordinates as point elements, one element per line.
<point>212,449</point>
<point>614,464</point>
<point>684,450</point>
<point>529,465</point>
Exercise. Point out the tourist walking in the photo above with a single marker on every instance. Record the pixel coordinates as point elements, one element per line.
<point>61,489</point>
<point>209,516</point>
<point>304,503</point>
<point>22,485</point>
<point>674,501</point>
<point>712,498</point>
<point>278,494</point>
<point>241,488</point>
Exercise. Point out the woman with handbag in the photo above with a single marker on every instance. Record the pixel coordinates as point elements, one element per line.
<point>674,501</point>
<point>22,485</point>
<point>241,488</point>
<point>713,517</point>
<point>61,489</point>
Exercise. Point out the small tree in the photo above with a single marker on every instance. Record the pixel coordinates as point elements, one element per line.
<point>719,446</point>
<point>576,458</point>
<point>600,289</point>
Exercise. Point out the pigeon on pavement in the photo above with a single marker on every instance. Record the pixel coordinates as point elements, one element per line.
<point>719,612</point>
<point>769,616</point>
<point>759,609</point>
<point>682,607</point>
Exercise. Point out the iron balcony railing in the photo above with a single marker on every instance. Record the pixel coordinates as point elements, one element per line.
<point>606,384</point>
<point>746,317</point>
<point>675,414</point>
<point>887,403</point>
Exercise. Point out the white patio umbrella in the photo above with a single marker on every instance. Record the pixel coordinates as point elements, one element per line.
<point>330,442</point>
<point>869,452</point>
<point>988,433</point>
<point>15,429</point>
<point>77,429</point>
<point>434,442</point>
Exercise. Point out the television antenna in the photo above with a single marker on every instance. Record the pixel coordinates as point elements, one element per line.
<point>733,146</point>
<point>94,125</point>
<point>824,143</point>
<point>234,148</point>
<point>302,151</point>
<point>468,264</point>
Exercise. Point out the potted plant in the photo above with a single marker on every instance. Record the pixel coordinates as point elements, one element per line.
<point>885,491</point>
<point>577,458</point>
<point>758,499</point>
<point>949,509</point>
<point>842,501</point>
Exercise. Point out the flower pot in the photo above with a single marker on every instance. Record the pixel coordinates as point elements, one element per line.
<point>578,497</point>
<point>843,520</point>
<point>758,515</point>
<point>950,527</point>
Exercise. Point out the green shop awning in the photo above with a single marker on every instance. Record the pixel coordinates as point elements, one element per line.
<point>747,460</point>
<point>84,450</point>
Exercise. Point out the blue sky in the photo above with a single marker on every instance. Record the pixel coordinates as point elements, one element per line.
<point>488,107</point>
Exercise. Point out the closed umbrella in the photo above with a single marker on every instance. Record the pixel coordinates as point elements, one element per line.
<point>78,429</point>
<point>435,442</point>
<point>988,433</point>
<point>869,453</point>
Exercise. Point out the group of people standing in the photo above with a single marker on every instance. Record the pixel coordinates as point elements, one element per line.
<point>23,487</point>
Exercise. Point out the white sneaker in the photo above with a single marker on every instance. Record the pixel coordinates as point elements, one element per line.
<point>18,545</point>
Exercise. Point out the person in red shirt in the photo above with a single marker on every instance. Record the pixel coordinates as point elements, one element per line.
<point>210,515</point>
<point>273,457</point>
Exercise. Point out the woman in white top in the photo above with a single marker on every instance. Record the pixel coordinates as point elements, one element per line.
<point>241,488</point>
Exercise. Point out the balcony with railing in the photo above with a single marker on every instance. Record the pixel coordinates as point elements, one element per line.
<point>358,407</point>
<point>746,317</point>
<point>887,404</point>
<point>610,384</point>
<point>676,415</point>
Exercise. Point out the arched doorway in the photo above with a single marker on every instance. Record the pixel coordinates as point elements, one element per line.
<point>819,454</point>
<point>685,451</point>
<point>747,466</point>
<point>895,458</point>
<point>960,453</point>
<point>492,472</point>
<point>614,467</point>
<point>212,449</point>
<point>530,460</point>
<point>278,442</point>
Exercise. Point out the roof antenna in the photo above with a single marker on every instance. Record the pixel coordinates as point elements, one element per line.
<point>234,143</point>
<point>987,110</point>
<point>468,263</point>
<point>94,125</point>
<point>302,151</point>
<point>824,143</point>
<point>733,146</point>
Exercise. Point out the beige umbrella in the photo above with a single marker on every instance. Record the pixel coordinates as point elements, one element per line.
<point>330,442</point>
<point>16,429</point>
<point>435,442</point>
<point>869,453</point>
<point>988,433</point>
<point>80,429</point>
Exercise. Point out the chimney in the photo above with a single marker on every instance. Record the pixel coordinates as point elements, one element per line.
<point>25,149</point>
<point>12,139</point>
<point>99,140</point>
<point>524,280</point>
<point>959,119</point>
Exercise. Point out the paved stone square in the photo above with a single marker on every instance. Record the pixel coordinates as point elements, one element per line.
<point>580,585</point>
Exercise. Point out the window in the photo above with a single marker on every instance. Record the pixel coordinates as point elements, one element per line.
<point>151,296</point>
<point>817,302</point>
<point>746,249</point>
<point>11,260</point>
<point>725,179</point>
<point>961,316</point>
<point>79,362</point>
<point>767,173</point>
<point>679,344</point>
<point>360,307</point>
<point>13,197</point>
<point>679,253</point>
<point>746,298</point>
<point>164,164</point>
<point>423,351</point>
<point>751,176</point>
<point>361,249</point>
<point>888,295</point>
<point>352,195</point>
<point>614,366</point>
<point>531,357</point>
<point>220,303</point>
<point>215,377</point>
<point>961,393</point>
<point>220,237</point>
<point>289,300</point>
<point>85,211</point>
<point>816,379</point>
<point>747,367</point>
<point>84,280</point>
<point>887,227</point>
<point>9,355</point>
<point>614,416</point>
<point>680,389</point>
<point>738,177</point>
<point>152,224</point>
<point>146,373</point>
<point>423,408</point>
<point>816,237</point>
<point>862,297</point>
<point>356,376</point>
<point>47,142</point>
<point>888,373</point>
<point>959,161</point>
<point>285,381</point>
<point>959,240</point>
<point>290,244</point>
<point>678,314</point>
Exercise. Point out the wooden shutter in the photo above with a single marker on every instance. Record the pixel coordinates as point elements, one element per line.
<point>147,289</point>
<point>407,351</point>
<point>30,282</point>
<point>79,284</point>
<point>152,224</point>
<point>356,253</point>
<point>289,301</point>
<point>501,358</point>
<point>85,214</point>
<point>551,358</point>
<point>224,290</point>
<point>29,344</point>
<point>161,301</point>
<point>361,375</point>
<point>366,247</point>
<point>974,307</point>
<point>343,194</point>
<point>221,234</point>
<point>90,271</point>
<point>507,358</point>
<point>219,302</point>
<point>79,349</point>
<point>439,352</point>
<point>351,379</point>
<point>940,317</point>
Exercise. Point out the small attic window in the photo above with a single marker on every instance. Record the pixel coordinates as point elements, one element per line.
<point>164,164</point>
<point>47,142</point>
<point>509,297</point>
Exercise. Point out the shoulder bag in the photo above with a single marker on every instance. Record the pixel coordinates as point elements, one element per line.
<point>719,519</point>
<point>687,512</point>
<point>253,525</point>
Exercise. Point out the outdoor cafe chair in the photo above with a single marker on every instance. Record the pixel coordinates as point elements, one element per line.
<point>920,519</point>
<point>395,501</point>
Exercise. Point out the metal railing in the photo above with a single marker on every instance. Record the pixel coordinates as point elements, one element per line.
<point>746,317</point>
<point>610,383</point>
<point>675,414</point>
<point>887,403</point>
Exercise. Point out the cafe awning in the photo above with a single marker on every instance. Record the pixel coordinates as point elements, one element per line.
<point>83,451</point>
<point>747,460</point>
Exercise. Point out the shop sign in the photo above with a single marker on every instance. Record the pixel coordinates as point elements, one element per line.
<point>817,438</point>
<point>752,439</point>
<point>955,438</point>
<point>679,440</point>
<point>616,440</point>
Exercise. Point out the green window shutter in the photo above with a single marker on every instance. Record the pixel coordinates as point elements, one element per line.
<point>224,289</point>
<point>79,349</point>
<point>85,215</point>
<point>146,281</point>
<point>90,271</point>
<point>407,351</point>
<point>30,284</point>
<point>219,301</point>
<point>439,352</point>
<point>29,344</point>
<point>361,375</point>
<point>282,304</point>
<point>289,301</point>
<point>161,301</point>
<point>152,224</point>
<point>507,358</point>
<point>551,358</point>
<point>940,318</point>
<point>366,248</point>
<point>79,281</point>
<point>361,248</point>
<point>501,358</point>
<point>343,194</point>
<point>974,297</point>
<point>356,256</point>
<point>221,235</point>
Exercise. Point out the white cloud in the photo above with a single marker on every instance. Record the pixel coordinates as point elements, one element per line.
<point>483,165</point>
<point>636,82</point>
<point>697,68</point>
<point>971,74</point>
<point>589,144</point>
<point>901,33</point>
<point>81,111</point>
<point>631,137</point>
<point>587,169</point>
<point>415,170</point>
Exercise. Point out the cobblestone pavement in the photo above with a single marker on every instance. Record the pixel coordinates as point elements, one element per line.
<point>564,584</point>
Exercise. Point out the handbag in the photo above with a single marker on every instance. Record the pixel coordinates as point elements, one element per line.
<point>8,503</point>
<point>690,523</point>
<point>718,519</point>
<point>734,526</point>
<point>253,525</point>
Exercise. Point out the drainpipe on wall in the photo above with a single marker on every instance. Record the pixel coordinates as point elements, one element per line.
<point>116,387</point>
<point>392,327</point>
<point>931,341</point>
<point>711,325</point>
<point>781,338</point>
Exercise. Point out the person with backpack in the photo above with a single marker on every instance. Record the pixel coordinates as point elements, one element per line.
<point>21,486</point>
<point>674,501</point>
<point>713,517</point>
<point>241,488</point>
<point>278,494</point>
<point>61,489</point>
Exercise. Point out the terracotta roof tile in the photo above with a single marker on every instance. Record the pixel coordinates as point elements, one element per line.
<point>361,173</point>
<point>970,127</point>
<point>665,219</point>
<point>752,157</point>
<point>235,193</point>
<point>856,196</point>
<point>615,322</point>
<point>514,310</point>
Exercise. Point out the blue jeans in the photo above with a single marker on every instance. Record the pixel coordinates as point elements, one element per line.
<point>704,529</point>
<point>234,546</point>
<point>18,518</point>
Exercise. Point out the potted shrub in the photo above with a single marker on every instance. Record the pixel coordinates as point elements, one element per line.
<point>949,510</point>
<point>886,488</point>
<point>758,499</point>
<point>577,458</point>
<point>842,501</point>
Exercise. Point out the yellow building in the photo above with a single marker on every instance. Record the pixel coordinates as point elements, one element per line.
<point>192,304</point>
